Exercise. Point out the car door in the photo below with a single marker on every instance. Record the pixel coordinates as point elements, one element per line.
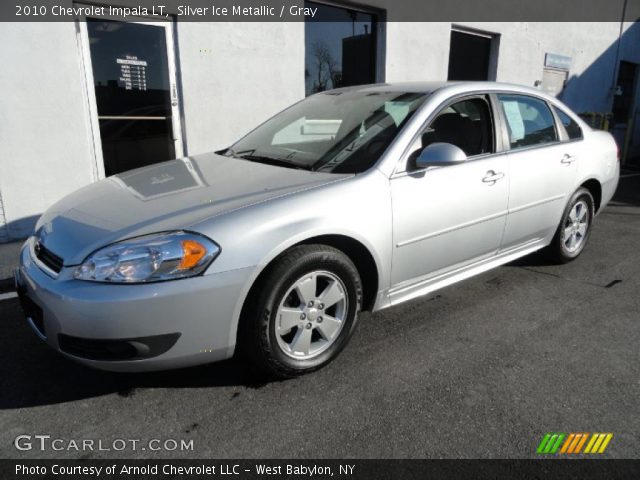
<point>542,169</point>
<point>447,217</point>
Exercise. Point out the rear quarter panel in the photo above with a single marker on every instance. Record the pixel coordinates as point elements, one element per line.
<point>599,161</point>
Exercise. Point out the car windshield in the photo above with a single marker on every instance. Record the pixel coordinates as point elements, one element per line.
<point>337,131</point>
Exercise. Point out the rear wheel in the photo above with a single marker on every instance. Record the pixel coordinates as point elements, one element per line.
<point>303,313</point>
<point>574,229</point>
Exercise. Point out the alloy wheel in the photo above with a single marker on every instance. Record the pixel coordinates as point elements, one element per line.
<point>575,227</point>
<point>311,315</point>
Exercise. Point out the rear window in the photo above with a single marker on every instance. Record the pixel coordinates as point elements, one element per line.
<point>570,125</point>
<point>529,121</point>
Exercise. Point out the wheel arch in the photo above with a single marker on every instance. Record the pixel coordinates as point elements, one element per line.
<point>595,189</point>
<point>362,258</point>
<point>357,252</point>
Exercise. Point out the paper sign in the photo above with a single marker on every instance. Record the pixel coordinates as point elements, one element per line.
<point>133,72</point>
<point>514,117</point>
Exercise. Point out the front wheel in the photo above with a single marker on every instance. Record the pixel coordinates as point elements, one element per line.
<point>303,312</point>
<point>575,227</point>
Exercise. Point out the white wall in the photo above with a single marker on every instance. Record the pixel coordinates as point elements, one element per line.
<point>235,76</point>
<point>45,142</point>
<point>417,51</point>
<point>420,51</point>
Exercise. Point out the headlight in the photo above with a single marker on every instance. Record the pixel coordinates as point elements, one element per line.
<point>152,258</point>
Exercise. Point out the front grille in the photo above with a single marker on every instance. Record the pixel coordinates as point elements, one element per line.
<point>47,257</point>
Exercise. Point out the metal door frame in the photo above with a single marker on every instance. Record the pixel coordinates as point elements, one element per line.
<point>86,64</point>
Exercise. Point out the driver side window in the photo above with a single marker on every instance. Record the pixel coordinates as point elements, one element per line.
<point>466,124</point>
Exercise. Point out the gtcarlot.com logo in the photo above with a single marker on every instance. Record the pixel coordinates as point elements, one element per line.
<point>46,442</point>
<point>573,443</point>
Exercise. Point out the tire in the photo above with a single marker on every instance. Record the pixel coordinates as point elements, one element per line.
<point>574,229</point>
<point>281,333</point>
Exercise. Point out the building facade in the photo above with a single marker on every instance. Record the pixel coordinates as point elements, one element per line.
<point>96,97</point>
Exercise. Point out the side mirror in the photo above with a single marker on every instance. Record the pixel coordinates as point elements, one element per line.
<point>440,155</point>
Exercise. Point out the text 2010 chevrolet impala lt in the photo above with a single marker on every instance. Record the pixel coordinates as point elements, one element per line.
<point>357,198</point>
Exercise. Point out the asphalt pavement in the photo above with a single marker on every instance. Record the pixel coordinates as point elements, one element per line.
<point>482,369</point>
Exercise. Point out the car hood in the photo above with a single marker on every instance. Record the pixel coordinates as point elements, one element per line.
<point>166,196</point>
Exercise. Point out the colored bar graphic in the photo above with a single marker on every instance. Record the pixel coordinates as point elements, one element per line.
<point>594,437</point>
<point>543,443</point>
<point>557,444</point>
<point>565,447</point>
<point>584,439</point>
<point>596,446</point>
<point>550,443</point>
<point>572,443</point>
<point>598,442</point>
<point>605,443</point>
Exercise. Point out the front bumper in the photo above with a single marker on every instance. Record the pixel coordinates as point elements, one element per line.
<point>153,326</point>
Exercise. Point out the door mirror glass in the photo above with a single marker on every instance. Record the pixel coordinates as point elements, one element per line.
<point>440,155</point>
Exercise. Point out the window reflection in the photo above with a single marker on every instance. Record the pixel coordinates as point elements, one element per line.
<point>340,48</point>
<point>131,81</point>
<point>129,62</point>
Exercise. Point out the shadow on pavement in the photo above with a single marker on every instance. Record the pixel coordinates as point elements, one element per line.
<point>628,192</point>
<point>32,374</point>
<point>535,259</point>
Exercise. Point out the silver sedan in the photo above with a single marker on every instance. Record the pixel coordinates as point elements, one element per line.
<point>352,199</point>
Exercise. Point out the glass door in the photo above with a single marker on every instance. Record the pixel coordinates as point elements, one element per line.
<point>132,90</point>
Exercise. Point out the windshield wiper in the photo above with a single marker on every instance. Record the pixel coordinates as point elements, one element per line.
<point>278,162</point>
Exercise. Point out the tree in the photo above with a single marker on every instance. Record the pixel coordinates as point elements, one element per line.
<point>328,73</point>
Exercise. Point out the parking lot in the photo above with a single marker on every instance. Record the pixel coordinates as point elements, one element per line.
<point>482,369</point>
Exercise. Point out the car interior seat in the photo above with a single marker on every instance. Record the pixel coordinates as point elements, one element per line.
<point>449,128</point>
<point>371,150</point>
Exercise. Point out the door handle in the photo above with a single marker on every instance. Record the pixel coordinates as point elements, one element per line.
<point>174,95</point>
<point>568,159</point>
<point>492,177</point>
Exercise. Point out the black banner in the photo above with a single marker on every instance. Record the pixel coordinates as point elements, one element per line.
<point>300,10</point>
<point>320,469</point>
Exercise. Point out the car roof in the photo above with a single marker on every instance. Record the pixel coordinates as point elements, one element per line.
<point>429,87</point>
